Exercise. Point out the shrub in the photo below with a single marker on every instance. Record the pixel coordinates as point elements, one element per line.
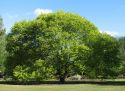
<point>37,72</point>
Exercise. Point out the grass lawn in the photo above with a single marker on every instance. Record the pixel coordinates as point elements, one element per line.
<point>78,87</point>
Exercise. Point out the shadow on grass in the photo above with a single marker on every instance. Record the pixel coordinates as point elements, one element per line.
<point>117,83</point>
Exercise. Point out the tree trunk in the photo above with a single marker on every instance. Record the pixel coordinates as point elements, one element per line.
<point>62,79</point>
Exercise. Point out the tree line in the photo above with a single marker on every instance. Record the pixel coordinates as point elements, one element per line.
<point>59,45</point>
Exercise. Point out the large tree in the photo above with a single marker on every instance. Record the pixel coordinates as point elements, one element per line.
<point>65,41</point>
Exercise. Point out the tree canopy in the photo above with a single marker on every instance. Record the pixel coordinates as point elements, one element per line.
<point>67,43</point>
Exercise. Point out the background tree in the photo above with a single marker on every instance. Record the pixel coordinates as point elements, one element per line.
<point>122,47</point>
<point>104,61</point>
<point>2,45</point>
<point>122,53</point>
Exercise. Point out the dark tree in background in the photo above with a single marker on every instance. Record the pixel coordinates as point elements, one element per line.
<point>122,53</point>
<point>104,61</point>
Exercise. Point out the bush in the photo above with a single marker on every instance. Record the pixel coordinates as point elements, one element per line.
<point>37,72</point>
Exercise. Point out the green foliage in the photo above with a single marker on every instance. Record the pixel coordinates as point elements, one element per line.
<point>21,73</point>
<point>68,43</point>
<point>56,38</point>
<point>2,45</point>
<point>37,72</point>
<point>22,46</point>
<point>104,57</point>
<point>122,48</point>
<point>122,54</point>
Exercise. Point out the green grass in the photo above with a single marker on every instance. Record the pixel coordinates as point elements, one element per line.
<point>78,87</point>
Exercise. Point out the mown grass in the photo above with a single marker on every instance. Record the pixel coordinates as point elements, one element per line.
<point>108,85</point>
<point>74,87</point>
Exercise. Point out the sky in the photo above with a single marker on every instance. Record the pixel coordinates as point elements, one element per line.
<point>107,15</point>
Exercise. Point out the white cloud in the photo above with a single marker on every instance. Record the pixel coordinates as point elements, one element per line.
<point>40,11</point>
<point>112,33</point>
